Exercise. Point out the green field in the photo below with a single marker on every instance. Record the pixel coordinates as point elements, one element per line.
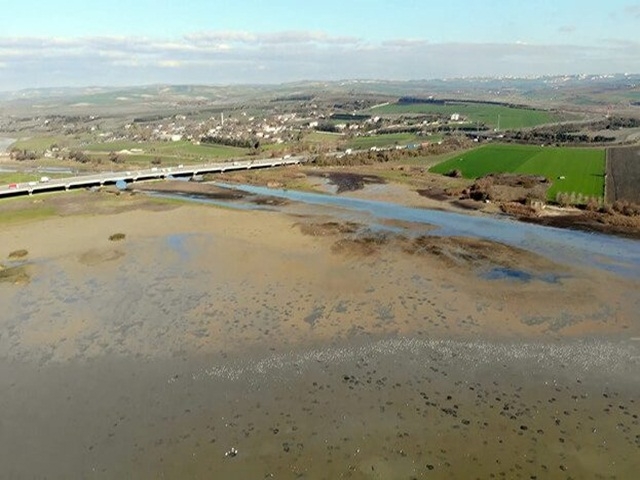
<point>19,177</point>
<point>490,115</point>
<point>321,138</point>
<point>180,149</point>
<point>583,168</point>
<point>40,144</point>
<point>387,139</point>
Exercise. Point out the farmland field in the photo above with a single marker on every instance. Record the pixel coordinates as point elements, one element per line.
<point>170,152</point>
<point>582,168</point>
<point>387,139</point>
<point>509,118</point>
<point>171,149</point>
<point>623,174</point>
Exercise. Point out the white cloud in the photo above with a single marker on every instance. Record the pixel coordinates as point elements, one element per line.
<point>633,10</point>
<point>288,37</point>
<point>244,57</point>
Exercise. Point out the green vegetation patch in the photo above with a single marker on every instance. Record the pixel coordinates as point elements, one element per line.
<point>40,144</point>
<point>490,115</point>
<point>28,214</point>
<point>167,148</point>
<point>384,140</point>
<point>571,170</point>
<point>16,275</point>
<point>16,254</point>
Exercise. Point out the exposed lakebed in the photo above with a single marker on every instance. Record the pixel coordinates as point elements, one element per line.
<point>316,341</point>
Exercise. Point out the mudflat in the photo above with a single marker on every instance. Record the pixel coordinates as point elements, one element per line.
<point>218,343</point>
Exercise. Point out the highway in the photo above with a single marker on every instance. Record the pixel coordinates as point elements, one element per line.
<point>107,178</point>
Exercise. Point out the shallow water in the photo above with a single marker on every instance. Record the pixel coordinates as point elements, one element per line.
<point>156,357</point>
<point>607,252</point>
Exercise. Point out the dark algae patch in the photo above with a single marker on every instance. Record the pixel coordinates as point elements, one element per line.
<point>16,274</point>
<point>18,254</point>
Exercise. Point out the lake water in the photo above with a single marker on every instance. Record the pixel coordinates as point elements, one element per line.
<point>164,356</point>
<point>568,246</point>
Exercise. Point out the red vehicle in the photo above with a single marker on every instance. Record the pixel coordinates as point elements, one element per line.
<point>13,185</point>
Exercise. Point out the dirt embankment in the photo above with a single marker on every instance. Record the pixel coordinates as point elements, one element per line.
<point>191,188</point>
<point>522,196</point>
<point>608,222</point>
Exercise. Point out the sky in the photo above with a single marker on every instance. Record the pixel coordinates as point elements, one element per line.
<point>55,43</point>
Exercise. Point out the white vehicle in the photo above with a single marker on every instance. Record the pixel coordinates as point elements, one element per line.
<point>32,184</point>
<point>44,179</point>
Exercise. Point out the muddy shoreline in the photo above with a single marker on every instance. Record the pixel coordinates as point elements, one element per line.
<point>354,182</point>
<point>311,345</point>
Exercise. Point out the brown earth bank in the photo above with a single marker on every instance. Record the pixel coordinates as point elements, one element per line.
<point>607,221</point>
<point>521,196</point>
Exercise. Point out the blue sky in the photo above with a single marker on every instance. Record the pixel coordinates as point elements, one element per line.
<point>72,42</point>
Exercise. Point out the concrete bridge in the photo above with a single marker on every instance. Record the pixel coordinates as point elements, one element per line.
<point>107,178</point>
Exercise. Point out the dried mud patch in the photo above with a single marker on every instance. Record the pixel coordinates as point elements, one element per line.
<point>452,252</point>
<point>202,190</point>
<point>406,225</point>
<point>328,228</point>
<point>364,245</point>
<point>270,201</point>
<point>350,182</point>
<point>18,254</point>
<point>472,252</point>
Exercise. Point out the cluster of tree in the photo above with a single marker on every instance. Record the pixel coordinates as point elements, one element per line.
<point>463,128</point>
<point>294,98</point>
<point>350,117</point>
<point>115,158</point>
<point>418,100</point>
<point>621,122</point>
<point>551,136</point>
<point>21,155</point>
<point>393,155</point>
<point>231,142</point>
<point>327,127</point>
<point>623,207</point>
<point>78,156</point>
<point>152,118</point>
<point>455,101</point>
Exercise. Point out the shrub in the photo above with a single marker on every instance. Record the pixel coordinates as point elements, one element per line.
<point>18,254</point>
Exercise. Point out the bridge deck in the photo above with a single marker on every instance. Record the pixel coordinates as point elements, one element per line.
<point>84,181</point>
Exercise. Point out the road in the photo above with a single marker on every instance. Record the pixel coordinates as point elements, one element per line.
<point>106,178</point>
